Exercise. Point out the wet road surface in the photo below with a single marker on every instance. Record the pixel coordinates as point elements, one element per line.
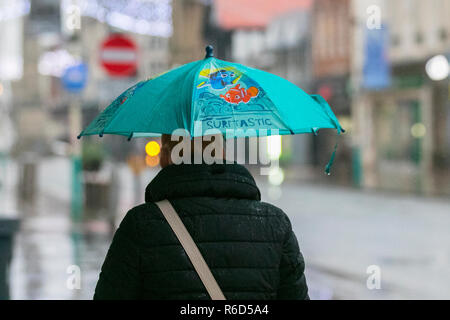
<point>341,232</point>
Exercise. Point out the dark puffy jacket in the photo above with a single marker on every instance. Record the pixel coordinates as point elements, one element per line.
<point>249,245</point>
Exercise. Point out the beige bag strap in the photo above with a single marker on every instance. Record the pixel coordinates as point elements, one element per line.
<point>191,249</point>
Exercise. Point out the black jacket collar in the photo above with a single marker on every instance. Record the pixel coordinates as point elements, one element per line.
<point>202,180</point>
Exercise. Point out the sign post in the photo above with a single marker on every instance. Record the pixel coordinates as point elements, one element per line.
<point>74,80</point>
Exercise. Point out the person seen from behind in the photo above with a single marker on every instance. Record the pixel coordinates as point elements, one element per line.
<point>249,245</point>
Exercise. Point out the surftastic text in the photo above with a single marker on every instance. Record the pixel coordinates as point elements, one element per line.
<point>239,123</point>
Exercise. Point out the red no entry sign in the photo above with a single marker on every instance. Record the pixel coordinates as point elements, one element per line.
<point>118,55</point>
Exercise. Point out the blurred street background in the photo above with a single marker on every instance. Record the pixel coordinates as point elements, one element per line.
<point>376,228</point>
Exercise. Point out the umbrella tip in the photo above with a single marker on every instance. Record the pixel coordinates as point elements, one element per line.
<point>209,51</point>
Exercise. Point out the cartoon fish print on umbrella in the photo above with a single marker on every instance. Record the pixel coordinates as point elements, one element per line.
<point>219,80</point>
<point>237,94</point>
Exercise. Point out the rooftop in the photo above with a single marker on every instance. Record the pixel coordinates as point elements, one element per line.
<point>242,14</point>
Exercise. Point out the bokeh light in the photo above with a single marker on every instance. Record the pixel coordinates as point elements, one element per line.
<point>151,161</point>
<point>152,148</point>
<point>418,130</point>
<point>438,68</point>
<point>276,176</point>
<point>274,147</point>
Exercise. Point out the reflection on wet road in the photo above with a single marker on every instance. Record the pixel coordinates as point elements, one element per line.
<point>44,249</point>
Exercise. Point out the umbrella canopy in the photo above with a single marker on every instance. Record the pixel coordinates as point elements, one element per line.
<point>212,94</point>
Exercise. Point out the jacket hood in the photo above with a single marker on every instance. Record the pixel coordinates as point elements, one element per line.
<point>202,180</point>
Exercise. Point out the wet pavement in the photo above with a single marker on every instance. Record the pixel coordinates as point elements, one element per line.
<point>46,246</point>
<point>344,231</point>
<point>341,232</point>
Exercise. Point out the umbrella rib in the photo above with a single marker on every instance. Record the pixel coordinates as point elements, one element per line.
<point>194,87</point>
<point>278,116</point>
<point>268,96</point>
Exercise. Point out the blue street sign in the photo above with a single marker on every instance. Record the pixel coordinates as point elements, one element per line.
<point>377,68</point>
<point>75,77</point>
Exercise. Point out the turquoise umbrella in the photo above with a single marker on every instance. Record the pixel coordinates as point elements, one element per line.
<point>214,95</point>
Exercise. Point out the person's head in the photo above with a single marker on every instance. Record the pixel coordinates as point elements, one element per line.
<point>187,150</point>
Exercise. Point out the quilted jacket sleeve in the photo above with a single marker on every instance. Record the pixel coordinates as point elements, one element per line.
<point>119,277</point>
<point>292,278</point>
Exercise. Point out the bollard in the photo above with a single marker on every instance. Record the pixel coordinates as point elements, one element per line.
<point>27,182</point>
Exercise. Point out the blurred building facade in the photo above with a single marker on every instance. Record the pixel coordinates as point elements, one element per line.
<point>46,117</point>
<point>397,135</point>
<point>39,97</point>
<point>187,41</point>
<point>401,135</point>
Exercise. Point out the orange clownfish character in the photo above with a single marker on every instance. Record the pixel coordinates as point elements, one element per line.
<point>238,94</point>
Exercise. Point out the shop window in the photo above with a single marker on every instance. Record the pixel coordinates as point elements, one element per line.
<point>399,131</point>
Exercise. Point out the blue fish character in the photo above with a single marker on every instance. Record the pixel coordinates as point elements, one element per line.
<point>221,79</point>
